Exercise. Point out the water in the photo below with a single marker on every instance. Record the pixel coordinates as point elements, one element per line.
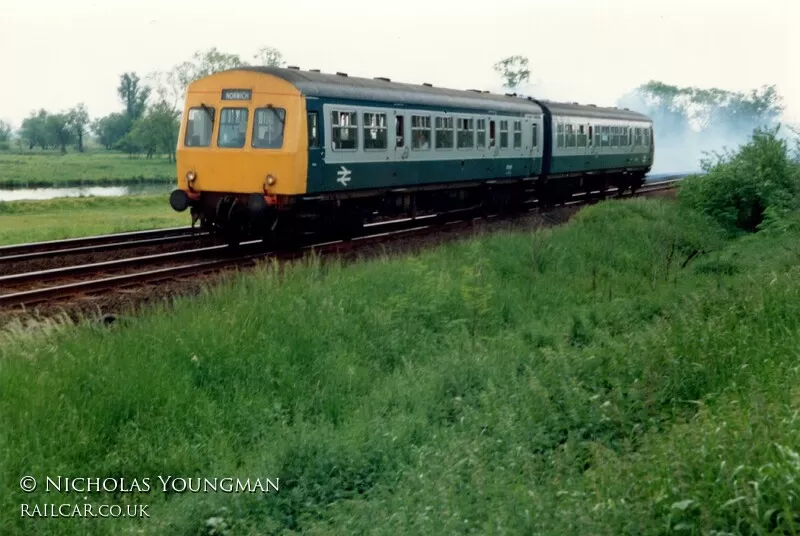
<point>37,194</point>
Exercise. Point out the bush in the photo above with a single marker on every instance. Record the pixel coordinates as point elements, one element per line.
<point>742,188</point>
<point>5,146</point>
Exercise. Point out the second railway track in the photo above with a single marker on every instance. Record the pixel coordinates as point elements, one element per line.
<point>96,244</point>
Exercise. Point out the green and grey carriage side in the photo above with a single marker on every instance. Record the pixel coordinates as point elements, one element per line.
<point>374,134</point>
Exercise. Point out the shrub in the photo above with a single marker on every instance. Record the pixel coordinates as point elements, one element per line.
<point>741,188</point>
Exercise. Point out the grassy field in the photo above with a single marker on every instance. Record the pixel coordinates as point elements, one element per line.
<point>633,372</point>
<point>33,221</point>
<point>50,168</point>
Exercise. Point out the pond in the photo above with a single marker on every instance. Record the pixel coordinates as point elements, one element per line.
<point>37,194</point>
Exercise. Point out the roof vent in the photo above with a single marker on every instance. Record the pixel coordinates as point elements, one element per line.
<point>313,70</point>
<point>627,109</point>
<point>293,67</point>
<point>341,74</point>
<point>592,105</point>
<point>427,84</point>
<point>383,78</point>
<point>474,90</point>
<point>576,104</point>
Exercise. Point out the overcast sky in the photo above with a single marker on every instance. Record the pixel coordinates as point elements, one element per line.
<point>57,53</point>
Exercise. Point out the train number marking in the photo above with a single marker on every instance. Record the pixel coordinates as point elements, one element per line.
<point>343,175</point>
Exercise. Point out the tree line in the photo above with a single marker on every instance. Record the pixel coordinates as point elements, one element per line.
<point>148,121</point>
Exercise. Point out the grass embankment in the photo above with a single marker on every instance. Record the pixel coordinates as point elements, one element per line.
<point>599,378</point>
<point>78,169</point>
<point>34,221</point>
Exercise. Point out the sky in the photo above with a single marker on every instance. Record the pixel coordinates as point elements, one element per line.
<point>58,53</point>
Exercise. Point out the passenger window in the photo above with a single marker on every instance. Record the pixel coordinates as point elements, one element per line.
<point>344,131</point>
<point>614,137</point>
<point>466,135</point>
<point>517,134</point>
<point>199,125</point>
<point>570,135</point>
<point>399,131</point>
<point>268,128</point>
<point>591,135</point>
<point>504,134</point>
<point>581,135</point>
<point>481,135</point>
<point>375,131</point>
<point>232,128</point>
<point>606,137</point>
<point>647,137</point>
<point>444,132</point>
<point>535,141</point>
<point>313,130</point>
<point>421,132</point>
<point>560,135</point>
<point>492,137</point>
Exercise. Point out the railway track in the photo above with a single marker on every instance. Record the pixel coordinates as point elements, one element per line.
<point>96,244</point>
<point>35,287</point>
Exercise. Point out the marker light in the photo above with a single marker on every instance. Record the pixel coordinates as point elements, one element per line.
<point>191,176</point>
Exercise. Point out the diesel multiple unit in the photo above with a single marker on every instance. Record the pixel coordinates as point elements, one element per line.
<point>274,152</point>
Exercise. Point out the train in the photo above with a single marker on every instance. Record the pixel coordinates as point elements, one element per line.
<point>279,153</point>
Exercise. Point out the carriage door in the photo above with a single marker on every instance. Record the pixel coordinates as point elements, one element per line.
<point>594,142</point>
<point>401,148</point>
<point>316,151</point>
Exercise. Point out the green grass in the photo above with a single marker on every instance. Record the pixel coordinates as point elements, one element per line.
<point>50,168</point>
<point>34,221</point>
<point>580,380</point>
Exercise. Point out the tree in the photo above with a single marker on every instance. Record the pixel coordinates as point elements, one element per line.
<point>58,130</point>
<point>111,128</point>
<point>133,95</point>
<point>213,61</point>
<point>514,71</point>
<point>34,129</point>
<point>171,85</point>
<point>156,132</point>
<point>688,121</point>
<point>128,144</point>
<point>5,131</point>
<point>78,120</point>
<point>269,57</point>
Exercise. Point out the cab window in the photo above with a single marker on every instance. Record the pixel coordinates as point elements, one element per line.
<point>232,127</point>
<point>199,125</point>
<point>268,128</point>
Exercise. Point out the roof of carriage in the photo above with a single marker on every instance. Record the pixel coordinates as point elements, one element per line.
<point>343,86</point>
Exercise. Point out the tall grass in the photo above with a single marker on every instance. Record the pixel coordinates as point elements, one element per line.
<point>632,372</point>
